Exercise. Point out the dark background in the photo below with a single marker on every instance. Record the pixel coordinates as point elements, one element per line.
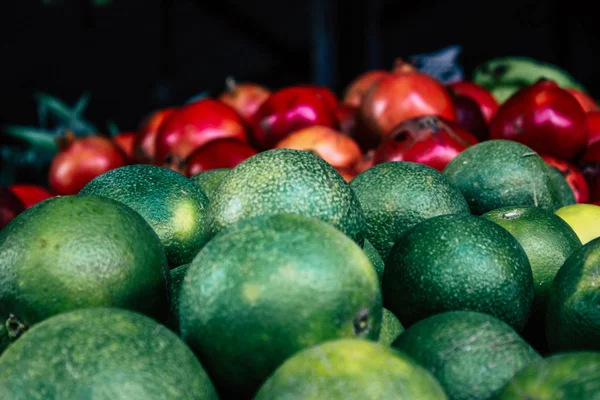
<point>133,56</point>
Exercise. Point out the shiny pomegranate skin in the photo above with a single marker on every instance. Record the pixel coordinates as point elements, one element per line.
<point>346,116</point>
<point>486,101</point>
<point>81,160</point>
<point>324,94</point>
<point>246,98</point>
<point>470,118</point>
<point>10,206</point>
<point>195,124</point>
<point>585,101</point>
<point>428,140</point>
<point>30,195</point>
<point>544,117</point>
<point>337,149</point>
<point>219,153</point>
<point>573,176</point>
<point>288,110</point>
<point>353,96</point>
<point>125,142</point>
<point>144,146</point>
<point>593,120</point>
<point>590,167</point>
<point>402,95</point>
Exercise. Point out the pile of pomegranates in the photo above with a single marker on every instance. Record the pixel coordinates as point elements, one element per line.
<point>400,114</point>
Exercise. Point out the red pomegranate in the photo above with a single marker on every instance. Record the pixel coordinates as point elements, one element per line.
<point>245,98</point>
<point>324,94</point>
<point>486,101</point>
<point>289,110</point>
<point>346,116</point>
<point>590,167</point>
<point>367,161</point>
<point>125,142</point>
<point>219,153</point>
<point>81,160</point>
<point>353,96</point>
<point>404,94</point>
<point>470,118</point>
<point>585,101</point>
<point>10,206</point>
<point>593,121</point>
<point>544,117</point>
<point>193,125</point>
<point>332,146</point>
<point>428,140</point>
<point>30,195</point>
<point>573,176</point>
<point>144,146</point>
<point>347,173</point>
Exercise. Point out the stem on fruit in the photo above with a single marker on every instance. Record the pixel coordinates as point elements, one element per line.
<point>230,84</point>
<point>66,140</point>
<point>14,327</point>
<point>361,323</point>
<point>402,65</point>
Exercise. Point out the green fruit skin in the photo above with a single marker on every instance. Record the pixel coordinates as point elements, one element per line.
<point>504,92</point>
<point>375,258</point>
<point>573,314</point>
<point>566,197</point>
<point>209,181</point>
<point>286,181</point>
<point>397,195</point>
<point>274,285</point>
<point>391,327</point>
<point>473,355</point>
<point>350,369</point>
<point>102,354</point>
<point>177,276</point>
<point>502,173</point>
<point>565,376</point>
<point>173,206</point>
<point>73,252</point>
<point>458,262</point>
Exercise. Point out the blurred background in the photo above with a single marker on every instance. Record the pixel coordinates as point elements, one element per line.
<point>133,56</point>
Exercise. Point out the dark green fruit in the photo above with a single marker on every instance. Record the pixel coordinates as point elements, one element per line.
<point>102,354</point>
<point>208,181</point>
<point>374,257</point>
<point>391,327</point>
<point>473,355</point>
<point>286,181</point>
<point>395,196</point>
<point>573,314</point>
<point>502,173</point>
<point>73,252</point>
<point>177,276</point>
<point>348,369</point>
<point>458,262</point>
<point>566,376</point>
<point>566,196</point>
<point>173,206</point>
<point>270,286</point>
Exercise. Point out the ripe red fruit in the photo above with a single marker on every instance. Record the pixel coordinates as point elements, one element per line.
<point>30,195</point>
<point>219,153</point>
<point>347,173</point>
<point>10,206</point>
<point>245,98</point>
<point>544,117</point>
<point>573,176</point>
<point>590,167</point>
<point>486,101</point>
<point>593,121</point>
<point>81,160</point>
<point>144,146</point>
<point>470,118</point>
<point>337,149</point>
<point>367,161</point>
<point>324,94</point>
<point>346,116</point>
<point>585,101</point>
<point>428,140</point>
<point>353,96</point>
<point>195,124</point>
<point>288,110</point>
<point>125,142</point>
<point>404,94</point>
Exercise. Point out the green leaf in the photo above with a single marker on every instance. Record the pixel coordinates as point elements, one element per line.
<point>65,115</point>
<point>200,96</point>
<point>113,128</point>
<point>35,137</point>
<point>81,104</point>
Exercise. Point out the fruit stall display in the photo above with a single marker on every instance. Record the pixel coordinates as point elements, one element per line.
<point>408,238</point>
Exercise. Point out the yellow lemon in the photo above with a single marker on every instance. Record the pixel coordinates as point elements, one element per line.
<point>583,218</point>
